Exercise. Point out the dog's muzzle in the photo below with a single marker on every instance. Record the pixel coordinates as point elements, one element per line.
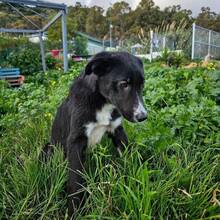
<point>141,117</point>
<point>140,113</point>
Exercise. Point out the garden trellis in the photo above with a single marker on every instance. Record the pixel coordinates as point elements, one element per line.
<point>62,8</point>
<point>205,42</point>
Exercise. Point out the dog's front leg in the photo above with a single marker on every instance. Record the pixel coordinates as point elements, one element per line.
<point>119,138</point>
<point>75,155</point>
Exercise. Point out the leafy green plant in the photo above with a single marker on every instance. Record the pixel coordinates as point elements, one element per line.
<point>169,170</point>
<point>175,59</point>
<point>164,55</point>
<point>50,61</point>
<point>27,59</point>
<point>10,42</point>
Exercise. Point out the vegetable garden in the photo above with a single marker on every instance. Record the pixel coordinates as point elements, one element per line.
<point>170,170</point>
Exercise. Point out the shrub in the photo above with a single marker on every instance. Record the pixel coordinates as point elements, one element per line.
<point>13,43</point>
<point>175,59</point>
<point>26,58</point>
<point>53,63</point>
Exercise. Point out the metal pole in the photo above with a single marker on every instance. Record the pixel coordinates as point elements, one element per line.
<point>209,47</point>
<point>22,31</point>
<point>54,19</point>
<point>164,42</point>
<point>64,34</point>
<point>151,45</point>
<point>193,40</point>
<point>42,52</point>
<point>41,4</point>
<point>103,44</point>
<point>110,27</point>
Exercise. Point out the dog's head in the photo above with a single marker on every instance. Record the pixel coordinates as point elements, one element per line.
<point>120,79</point>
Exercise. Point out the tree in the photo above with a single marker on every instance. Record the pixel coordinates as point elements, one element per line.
<point>118,15</point>
<point>208,19</point>
<point>148,16</point>
<point>80,45</point>
<point>96,24</point>
<point>79,14</point>
<point>55,31</point>
<point>146,4</point>
<point>9,18</point>
<point>175,16</point>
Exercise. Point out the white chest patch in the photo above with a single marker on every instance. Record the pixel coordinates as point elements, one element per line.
<point>104,123</point>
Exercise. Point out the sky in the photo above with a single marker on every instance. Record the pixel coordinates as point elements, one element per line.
<point>194,5</point>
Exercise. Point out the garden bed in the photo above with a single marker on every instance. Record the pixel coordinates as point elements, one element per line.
<point>170,170</point>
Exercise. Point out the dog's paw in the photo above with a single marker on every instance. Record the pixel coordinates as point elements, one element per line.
<point>46,152</point>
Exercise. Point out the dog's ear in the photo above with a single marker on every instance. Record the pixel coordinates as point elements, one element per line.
<point>100,64</point>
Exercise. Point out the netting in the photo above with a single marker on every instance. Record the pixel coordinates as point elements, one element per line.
<point>206,43</point>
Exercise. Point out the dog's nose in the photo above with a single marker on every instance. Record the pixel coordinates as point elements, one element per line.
<point>140,113</point>
<point>141,117</point>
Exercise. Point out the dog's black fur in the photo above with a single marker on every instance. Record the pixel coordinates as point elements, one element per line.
<point>109,78</point>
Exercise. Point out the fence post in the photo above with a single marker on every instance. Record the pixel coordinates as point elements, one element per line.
<point>209,43</point>
<point>42,51</point>
<point>193,40</point>
<point>151,45</point>
<point>164,42</point>
<point>64,33</point>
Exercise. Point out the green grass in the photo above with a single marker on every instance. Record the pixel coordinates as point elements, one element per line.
<point>170,169</point>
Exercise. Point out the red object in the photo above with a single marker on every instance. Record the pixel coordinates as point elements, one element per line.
<point>55,53</point>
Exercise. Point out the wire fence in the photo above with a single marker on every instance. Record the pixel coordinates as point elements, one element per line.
<point>205,43</point>
<point>150,46</point>
<point>154,44</point>
<point>160,42</point>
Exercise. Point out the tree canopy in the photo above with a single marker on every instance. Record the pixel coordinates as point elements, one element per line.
<point>126,22</point>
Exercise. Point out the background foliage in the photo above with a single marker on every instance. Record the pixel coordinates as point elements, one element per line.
<point>80,45</point>
<point>127,22</point>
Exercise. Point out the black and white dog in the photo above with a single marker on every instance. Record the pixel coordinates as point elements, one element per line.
<point>108,89</point>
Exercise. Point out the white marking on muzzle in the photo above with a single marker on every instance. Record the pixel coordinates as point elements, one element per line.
<point>139,110</point>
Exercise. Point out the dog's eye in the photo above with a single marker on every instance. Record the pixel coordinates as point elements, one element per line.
<point>123,84</point>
